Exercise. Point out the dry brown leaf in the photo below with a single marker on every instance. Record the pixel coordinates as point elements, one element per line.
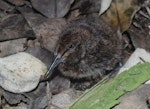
<point>120,13</point>
<point>46,30</point>
<point>12,46</point>
<point>52,8</point>
<point>14,26</point>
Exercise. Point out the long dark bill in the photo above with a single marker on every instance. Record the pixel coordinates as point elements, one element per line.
<point>57,61</point>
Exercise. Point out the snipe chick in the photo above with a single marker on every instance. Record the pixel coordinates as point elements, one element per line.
<point>87,48</point>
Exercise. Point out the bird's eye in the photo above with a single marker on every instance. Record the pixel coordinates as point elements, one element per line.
<point>71,46</point>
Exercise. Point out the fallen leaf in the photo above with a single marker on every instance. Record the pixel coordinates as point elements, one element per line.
<point>12,98</point>
<point>52,8</point>
<point>14,26</point>
<point>137,56</point>
<point>47,30</point>
<point>19,106</point>
<point>120,14</point>
<point>11,47</point>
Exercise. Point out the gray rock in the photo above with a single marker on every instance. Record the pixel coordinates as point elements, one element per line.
<point>20,72</point>
<point>19,106</point>
<point>137,57</point>
<point>12,46</point>
<point>59,84</point>
<point>46,30</point>
<point>64,99</point>
<point>12,98</point>
<point>136,99</point>
<point>14,26</point>
<point>41,102</point>
<point>5,6</point>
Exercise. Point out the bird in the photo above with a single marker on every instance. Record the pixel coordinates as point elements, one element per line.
<point>87,48</point>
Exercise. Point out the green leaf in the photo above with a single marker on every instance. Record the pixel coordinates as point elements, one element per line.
<point>105,95</point>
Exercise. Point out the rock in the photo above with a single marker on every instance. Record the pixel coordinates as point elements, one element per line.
<point>38,98</point>
<point>42,54</point>
<point>20,72</point>
<point>5,6</point>
<point>53,107</point>
<point>12,98</point>
<point>64,99</point>
<point>12,46</point>
<point>38,92</point>
<point>138,56</point>
<point>40,103</point>
<point>136,99</point>
<point>19,106</point>
<point>59,84</point>
<point>52,8</point>
<point>148,82</point>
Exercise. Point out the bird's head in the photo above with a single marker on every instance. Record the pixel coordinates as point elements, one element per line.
<point>68,44</point>
<point>69,48</point>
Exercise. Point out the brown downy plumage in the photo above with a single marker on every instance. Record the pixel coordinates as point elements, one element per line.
<point>87,47</point>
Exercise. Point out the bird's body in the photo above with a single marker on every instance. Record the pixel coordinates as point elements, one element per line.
<point>87,48</point>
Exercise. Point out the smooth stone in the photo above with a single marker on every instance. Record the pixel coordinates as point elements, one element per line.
<point>12,46</point>
<point>137,56</point>
<point>20,72</point>
<point>136,99</point>
<point>65,98</point>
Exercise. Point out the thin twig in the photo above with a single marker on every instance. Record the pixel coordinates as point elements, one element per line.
<point>49,95</point>
<point>143,14</point>
<point>148,10</point>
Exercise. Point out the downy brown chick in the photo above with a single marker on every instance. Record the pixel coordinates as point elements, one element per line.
<point>88,47</point>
